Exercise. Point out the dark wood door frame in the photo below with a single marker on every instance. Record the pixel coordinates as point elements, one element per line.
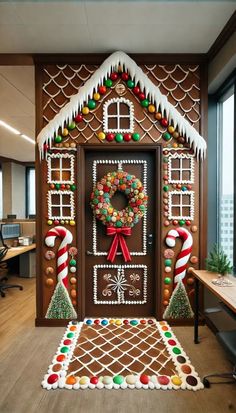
<point>82,149</point>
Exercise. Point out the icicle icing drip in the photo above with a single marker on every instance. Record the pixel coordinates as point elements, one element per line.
<point>152,92</point>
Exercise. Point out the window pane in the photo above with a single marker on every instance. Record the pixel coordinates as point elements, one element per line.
<point>227,177</point>
<point>31,191</point>
<point>1,206</point>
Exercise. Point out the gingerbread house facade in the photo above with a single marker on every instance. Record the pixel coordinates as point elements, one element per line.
<point>119,172</point>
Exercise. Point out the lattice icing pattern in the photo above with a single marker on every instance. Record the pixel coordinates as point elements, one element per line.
<point>120,353</point>
<point>153,93</point>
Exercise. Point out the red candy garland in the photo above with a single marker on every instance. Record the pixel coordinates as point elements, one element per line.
<point>119,223</point>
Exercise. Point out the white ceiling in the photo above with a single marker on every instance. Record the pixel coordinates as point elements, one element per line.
<point>93,26</point>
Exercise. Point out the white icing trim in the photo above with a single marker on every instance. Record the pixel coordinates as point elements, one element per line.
<point>60,156</point>
<point>151,91</point>
<point>118,116</point>
<point>119,164</point>
<point>170,169</point>
<point>121,274</point>
<point>171,205</point>
<point>71,205</point>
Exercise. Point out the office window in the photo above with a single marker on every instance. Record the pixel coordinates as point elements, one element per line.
<point>226,170</point>
<point>1,194</point>
<point>30,191</point>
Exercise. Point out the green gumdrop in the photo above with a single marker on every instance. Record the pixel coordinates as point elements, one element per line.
<point>91,104</point>
<point>72,262</point>
<point>108,83</point>
<point>168,262</point>
<point>145,103</point>
<point>136,137</point>
<point>70,335</point>
<point>165,188</point>
<point>176,350</point>
<point>130,84</point>
<point>108,218</point>
<point>168,334</point>
<point>118,224</point>
<point>119,137</point>
<point>166,136</point>
<point>73,187</point>
<point>167,280</point>
<point>64,349</point>
<point>57,186</point>
<point>58,139</point>
<point>181,222</point>
<point>71,126</point>
<point>118,379</point>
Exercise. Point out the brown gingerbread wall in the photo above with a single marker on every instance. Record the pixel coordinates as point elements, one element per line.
<point>184,86</point>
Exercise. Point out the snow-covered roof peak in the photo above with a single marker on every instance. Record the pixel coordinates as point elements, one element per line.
<point>151,91</point>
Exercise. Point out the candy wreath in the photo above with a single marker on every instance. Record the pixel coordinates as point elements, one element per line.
<point>126,183</point>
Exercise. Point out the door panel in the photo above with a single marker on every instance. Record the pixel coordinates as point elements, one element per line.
<point>120,289</point>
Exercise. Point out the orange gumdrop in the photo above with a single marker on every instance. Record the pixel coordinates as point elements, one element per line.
<point>70,380</point>
<point>72,328</point>
<point>164,328</point>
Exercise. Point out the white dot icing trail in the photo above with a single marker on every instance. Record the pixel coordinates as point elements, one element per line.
<point>183,257</point>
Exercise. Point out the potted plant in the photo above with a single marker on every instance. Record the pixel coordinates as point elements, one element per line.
<point>217,261</point>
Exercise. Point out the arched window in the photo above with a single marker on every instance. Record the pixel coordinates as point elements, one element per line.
<point>118,115</point>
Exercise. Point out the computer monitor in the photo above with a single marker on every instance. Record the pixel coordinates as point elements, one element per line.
<point>10,231</point>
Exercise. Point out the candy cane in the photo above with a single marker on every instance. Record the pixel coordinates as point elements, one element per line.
<point>183,257</point>
<point>62,253</point>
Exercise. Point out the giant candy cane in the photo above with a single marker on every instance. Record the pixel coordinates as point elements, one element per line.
<point>62,253</point>
<point>183,257</point>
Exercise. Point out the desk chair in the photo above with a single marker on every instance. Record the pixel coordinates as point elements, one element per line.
<point>3,285</point>
<point>228,341</point>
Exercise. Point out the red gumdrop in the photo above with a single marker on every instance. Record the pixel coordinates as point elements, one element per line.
<point>61,357</point>
<point>127,137</point>
<point>67,342</point>
<point>53,378</point>
<point>164,122</point>
<point>114,76</point>
<point>102,90</point>
<point>97,322</point>
<point>141,96</point>
<point>136,90</point>
<point>78,118</point>
<point>125,76</point>
<point>126,322</point>
<point>172,342</point>
<point>163,380</point>
<point>144,379</point>
<point>94,380</point>
<point>110,137</point>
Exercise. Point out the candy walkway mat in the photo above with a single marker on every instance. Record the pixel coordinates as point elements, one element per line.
<point>120,353</point>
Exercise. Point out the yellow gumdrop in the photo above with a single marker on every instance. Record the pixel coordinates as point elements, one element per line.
<point>118,322</point>
<point>49,222</point>
<point>85,110</point>
<point>101,136</point>
<point>72,223</point>
<point>171,129</point>
<point>84,380</point>
<point>65,132</point>
<point>151,108</point>
<point>96,96</point>
<point>176,380</point>
<point>112,321</point>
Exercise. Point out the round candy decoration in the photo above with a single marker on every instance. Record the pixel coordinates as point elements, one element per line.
<point>49,255</point>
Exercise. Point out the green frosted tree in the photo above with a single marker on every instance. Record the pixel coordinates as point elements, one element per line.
<point>179,305</point>
<point>60,305</point>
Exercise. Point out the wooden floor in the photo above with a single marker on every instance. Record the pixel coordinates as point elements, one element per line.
<point>27,351</point>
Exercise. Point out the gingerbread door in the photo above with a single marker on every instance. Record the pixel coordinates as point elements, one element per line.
<point>120,288</point>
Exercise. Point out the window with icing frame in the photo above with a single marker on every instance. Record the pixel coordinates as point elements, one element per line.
<point>226,178</point>
<point>61,205</point>
<point>60,168</point>
<point>181,169</point>
<point>118,116</point>
<point>181,205</point>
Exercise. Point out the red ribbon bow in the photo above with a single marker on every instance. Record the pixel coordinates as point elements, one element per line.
<point>118,239</point>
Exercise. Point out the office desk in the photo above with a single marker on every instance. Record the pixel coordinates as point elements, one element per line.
<point>225,294</point>
<point>14,251</point>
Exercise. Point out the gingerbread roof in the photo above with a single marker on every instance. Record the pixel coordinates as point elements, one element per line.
<point>152,92</point>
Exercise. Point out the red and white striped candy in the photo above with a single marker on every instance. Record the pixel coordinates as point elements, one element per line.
<point>183,257</point>
<point>62,253</point>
